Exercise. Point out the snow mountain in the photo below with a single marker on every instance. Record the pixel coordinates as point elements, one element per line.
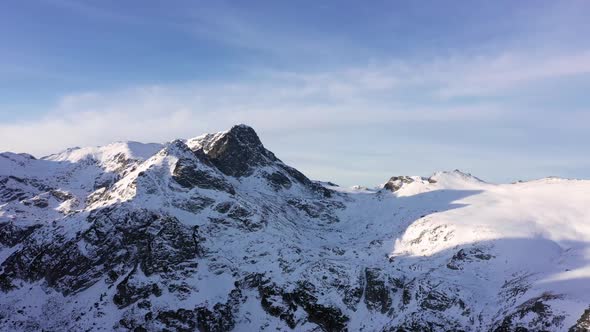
<point>215,233</point>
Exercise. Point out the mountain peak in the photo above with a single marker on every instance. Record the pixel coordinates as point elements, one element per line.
<point>456,176</point>
<point>241,126</point>
<point>238,150</point>
<point>245,135</point>
<point>395,183</point>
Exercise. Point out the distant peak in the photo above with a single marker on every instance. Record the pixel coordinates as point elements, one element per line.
<point>395,183</point>
<point>456,178</point>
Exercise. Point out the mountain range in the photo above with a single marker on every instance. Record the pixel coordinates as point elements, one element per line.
<point>215,233</point>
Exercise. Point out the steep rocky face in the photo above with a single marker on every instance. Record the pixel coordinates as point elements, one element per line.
<point>190,176</point>
<point>239,151</point>
<point>217,234</point>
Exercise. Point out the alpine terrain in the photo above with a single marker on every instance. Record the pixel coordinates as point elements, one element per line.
<point>215,233</point>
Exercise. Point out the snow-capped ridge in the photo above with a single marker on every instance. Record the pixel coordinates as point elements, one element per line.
<point>456,173</point>
<point>8,154</point>
<point>396,183</point>
<point>106,153</point>
<point>16,156</point>
<point>456,179</point>
<point>216,233</point>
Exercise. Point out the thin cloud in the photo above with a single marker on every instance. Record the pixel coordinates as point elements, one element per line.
<point>494,75</point>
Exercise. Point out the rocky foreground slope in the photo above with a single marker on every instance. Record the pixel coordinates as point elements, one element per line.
<point>215,233</point>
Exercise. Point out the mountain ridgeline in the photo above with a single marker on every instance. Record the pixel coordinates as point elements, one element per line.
<point>215,233</point>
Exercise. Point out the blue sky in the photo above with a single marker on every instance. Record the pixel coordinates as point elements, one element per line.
<point>348,91</point>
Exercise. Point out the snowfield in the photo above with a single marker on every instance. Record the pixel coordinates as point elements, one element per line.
<point>215,233</point>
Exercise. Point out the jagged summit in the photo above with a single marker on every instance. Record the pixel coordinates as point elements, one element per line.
<point>237,151</point>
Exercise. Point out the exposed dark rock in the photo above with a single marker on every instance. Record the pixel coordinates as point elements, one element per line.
<point>539,314</point>
<point>61,195</point>
<point>239,213</point>
<point>466,255</point>
<point>188,175</point>
<point>219,318</point>
<point>105,181</point>
<point>96,196</point>
<point>352,296</point>
<point>37,201</point>
<point>377,294</point>
<point>130,323</point>
<point>238,216</point>
<point>238,151</point>
<point>173,245</point>
<point>328,318</point>
<point>438,301</point>
<point>271,298</point>
<point>278,181</point>
<point>194,204</point>
<point>60,263</point>
<point>583,323</point>
<point>396,182</point>
<point>131,290</point>
<point>223,207</point>
<point>283,304</point>
<point>12,188</point>
<point>181,320</point>
<point>116,239</point>
<point>406,296</point>
<point>12,234</point>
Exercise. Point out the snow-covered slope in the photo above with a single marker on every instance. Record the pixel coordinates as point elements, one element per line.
<point>215,233</point>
